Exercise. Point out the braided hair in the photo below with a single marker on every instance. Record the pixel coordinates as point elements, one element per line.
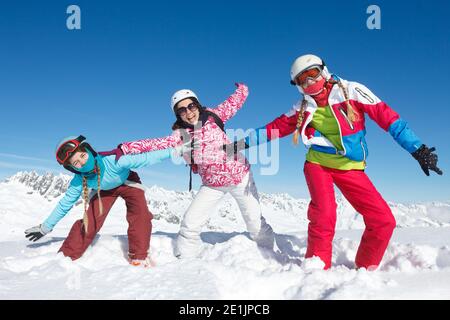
<point>299,121</point>
<point>86,197</point>
<point>352,114</point>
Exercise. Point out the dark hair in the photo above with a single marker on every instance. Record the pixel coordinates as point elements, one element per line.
<point>179,123</point>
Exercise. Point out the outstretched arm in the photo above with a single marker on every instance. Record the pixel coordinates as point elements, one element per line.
<point>227,109</point>
<point>148,145</point>
<point>278,128</point>
<point>134,161</point>
<point>384,116</point>
<point>283,125</point>
<point>398,128</point>
<point>71,196</point>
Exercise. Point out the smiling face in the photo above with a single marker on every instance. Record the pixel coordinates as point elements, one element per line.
<point>78,159</point>
<point>189,115</point>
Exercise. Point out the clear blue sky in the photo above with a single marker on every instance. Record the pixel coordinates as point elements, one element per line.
<point>112,80</point>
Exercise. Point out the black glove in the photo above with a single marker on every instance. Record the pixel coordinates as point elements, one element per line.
<point>233,148</point>
<point>35,233</point>
<point>427,159</point>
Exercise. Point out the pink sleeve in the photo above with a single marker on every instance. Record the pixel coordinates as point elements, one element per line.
<point>282,126</point>
<point>369,103</point>
<point>381,113</point>
<point>229,107</point>
<point>147,145</point>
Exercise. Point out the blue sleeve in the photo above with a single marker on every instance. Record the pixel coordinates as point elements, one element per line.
<point>404,136</point>
<point>144,159</point>
<point>256,137</point>
<point>71,196</point>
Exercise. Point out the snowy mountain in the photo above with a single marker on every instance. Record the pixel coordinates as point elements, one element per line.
<point>230,266</point>
<point>170,205</point>
<point>47,185</point>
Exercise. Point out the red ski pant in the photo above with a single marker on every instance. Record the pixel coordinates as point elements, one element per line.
<point>138,217</point>
<point>362,195</point>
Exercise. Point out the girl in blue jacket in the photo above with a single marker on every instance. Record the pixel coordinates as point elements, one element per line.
<point>110,180</point>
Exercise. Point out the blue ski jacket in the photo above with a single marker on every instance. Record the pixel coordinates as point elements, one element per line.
<point>112,175</point>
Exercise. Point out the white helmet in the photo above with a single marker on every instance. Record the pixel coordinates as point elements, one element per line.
<point>305,62</point>
<point>181,95</point>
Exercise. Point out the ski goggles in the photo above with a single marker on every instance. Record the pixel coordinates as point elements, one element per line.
<point>181,111</point>
<point>66,150</point>
<point>309,74</point>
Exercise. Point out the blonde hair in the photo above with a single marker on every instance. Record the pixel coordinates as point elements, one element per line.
<point>352,114</point>
<point>86,198</point>
<point>299,121</point>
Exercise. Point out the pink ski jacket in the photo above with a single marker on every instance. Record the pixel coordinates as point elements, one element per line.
<point>211,162</point>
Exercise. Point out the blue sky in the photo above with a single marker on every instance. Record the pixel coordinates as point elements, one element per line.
<point>112,80</point>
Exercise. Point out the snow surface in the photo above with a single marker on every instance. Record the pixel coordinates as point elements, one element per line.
<point>230,265</point>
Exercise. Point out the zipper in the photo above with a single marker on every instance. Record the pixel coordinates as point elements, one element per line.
<point>344,152</point>
<point>364,151</point>
<point>346,118</point>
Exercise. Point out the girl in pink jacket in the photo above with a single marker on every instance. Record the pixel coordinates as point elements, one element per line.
<point>220,174</point>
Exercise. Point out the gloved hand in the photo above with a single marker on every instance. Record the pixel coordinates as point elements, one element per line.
<point>35,233</point>
<point>186,147</point>
<point>233,148</point>
<point>117,152</point>
<point>427,159</point>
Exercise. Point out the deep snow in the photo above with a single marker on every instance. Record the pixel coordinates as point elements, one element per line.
<point>230,266</point>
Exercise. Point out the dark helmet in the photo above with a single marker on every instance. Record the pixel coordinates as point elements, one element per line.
<point>68,146</point>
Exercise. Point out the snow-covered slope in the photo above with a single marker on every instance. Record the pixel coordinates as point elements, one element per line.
<point>230,266</point>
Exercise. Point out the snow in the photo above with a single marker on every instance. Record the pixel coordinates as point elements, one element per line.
<point>230,266</point>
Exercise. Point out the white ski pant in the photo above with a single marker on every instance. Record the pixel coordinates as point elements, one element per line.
<point>246,196</point>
